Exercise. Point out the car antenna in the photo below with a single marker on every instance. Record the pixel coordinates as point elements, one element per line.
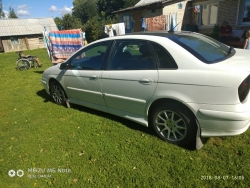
<point>197,9</point>
<point>172,30</point>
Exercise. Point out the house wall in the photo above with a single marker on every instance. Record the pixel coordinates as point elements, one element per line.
<point>227,10</point>
<point>34,42</point>
<point>8,47</point>
<point>29,42</point>
<point>1,46</point>
<point>137,15</point>
<point>184,15</point>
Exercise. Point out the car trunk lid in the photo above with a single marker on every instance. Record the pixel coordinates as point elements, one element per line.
<point>240,61</point>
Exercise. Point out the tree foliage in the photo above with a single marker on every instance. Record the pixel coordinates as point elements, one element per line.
<point>67,21</point>
<point>71,22</point>
<point>2,15</point>
<point>110,6</point>
<point>94,28</point>
<point>12,13</point>
<point>85,9</point>
<point>58,21</point>
<point>92,15</point>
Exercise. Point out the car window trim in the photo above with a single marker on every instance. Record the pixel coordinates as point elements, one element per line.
<point>89,47</point>
<point>157,58</point>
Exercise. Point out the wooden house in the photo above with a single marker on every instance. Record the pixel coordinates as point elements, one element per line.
<point>24,34</point>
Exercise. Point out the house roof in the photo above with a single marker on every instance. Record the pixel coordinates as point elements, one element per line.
<point>28,26</point>
<point>144,4</point>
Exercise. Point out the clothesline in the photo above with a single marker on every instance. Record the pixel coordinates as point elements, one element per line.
<point>114,29</point>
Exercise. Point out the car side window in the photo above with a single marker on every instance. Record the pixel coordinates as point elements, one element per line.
<point>132,55</point>
<point>90,58</point>
<point>165,60</point>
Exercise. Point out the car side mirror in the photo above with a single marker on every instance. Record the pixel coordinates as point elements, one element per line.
<point>64,65</point>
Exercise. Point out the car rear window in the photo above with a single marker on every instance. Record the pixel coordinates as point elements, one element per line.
<point>204,48</point>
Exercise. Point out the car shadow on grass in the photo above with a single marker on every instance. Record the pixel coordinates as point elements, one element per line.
<point>42,93</point>
<point>132,125</point>
<point>128,123</point>
<point>39,72</point>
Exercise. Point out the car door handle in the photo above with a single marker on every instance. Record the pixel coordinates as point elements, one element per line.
<point>94,77</point>
<point>146,81</point>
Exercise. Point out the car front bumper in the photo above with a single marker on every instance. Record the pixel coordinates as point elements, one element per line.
<point>45,84</point>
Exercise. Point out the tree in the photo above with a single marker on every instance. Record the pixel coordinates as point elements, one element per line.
<point>95,14</point>
<point>110,6</point>
<point>93,29</point>
<point>85,9</point>
<point>70,22</point>
<point>58,22</point>
<point>12,13</point>
<point>2,15</point>
<point>67,21</point>
<point>77,24</point>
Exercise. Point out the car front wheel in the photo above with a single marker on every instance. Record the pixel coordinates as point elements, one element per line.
<point>174,123</point>
<point>57,93</point>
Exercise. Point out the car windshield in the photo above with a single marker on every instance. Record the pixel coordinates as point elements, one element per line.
<point>204,48</point>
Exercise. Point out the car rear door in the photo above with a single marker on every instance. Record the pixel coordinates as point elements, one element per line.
<point>131,77</point>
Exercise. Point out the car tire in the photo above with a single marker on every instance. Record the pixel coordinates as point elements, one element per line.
<point>174,123</point>
<point>57,93</point>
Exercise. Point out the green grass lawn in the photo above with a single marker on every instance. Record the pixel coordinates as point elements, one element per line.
<point>62,147</point>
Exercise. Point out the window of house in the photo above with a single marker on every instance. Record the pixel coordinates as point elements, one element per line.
<point>126,20</point>
<point>14,40</point>
<point>208,14</point>
<point>244,12</point>
<point>40,39</point>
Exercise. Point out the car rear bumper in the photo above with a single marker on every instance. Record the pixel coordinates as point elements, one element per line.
<point>221,123</point>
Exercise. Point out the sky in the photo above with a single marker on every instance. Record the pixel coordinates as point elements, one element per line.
<point>38,8</point>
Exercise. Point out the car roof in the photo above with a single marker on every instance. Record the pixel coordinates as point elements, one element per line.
<point>161,33</point>
<point>166,34</point>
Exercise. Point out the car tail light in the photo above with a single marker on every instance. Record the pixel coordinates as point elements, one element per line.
<point>243,89</point>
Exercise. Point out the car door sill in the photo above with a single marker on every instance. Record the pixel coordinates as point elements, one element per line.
<point>89,105</point>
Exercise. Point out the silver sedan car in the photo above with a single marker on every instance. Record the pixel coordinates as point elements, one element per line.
<point>183,84</point>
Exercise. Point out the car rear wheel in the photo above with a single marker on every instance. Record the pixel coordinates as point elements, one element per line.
<point>57,93</point>
<point>174,124</point>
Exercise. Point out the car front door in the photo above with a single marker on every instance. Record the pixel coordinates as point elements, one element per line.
<point>83,78</point>
<point>130,79</point>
